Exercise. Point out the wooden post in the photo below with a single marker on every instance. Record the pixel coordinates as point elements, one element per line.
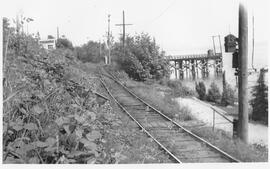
<point>197,73</point>
<point>175,70</point>
<point>181,69</point>
<point>186,65</point>
<point>202,69</point>
<point>243,73</point>
<point>109,41</point>
<point>213,120</point>
<point>124,31</point>
<point>193,69</point>
<point>207,71</point>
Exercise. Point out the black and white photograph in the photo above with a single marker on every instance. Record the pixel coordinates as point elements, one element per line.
<point>134,82</point>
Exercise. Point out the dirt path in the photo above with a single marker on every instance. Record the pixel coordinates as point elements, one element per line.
<point>202,111</point>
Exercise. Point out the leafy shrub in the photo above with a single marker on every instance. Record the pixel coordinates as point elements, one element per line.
<point>91,52</point>
<point>142,59</point>
<point>213,93</point>
<point>49,107</point>
<point>174,84</point>
<point>185,114</point>
<point>228,96</point>
<point>201,90</point>
<point>179,90</point>
<point>64,43</point>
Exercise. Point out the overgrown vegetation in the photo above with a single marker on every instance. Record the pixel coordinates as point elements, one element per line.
<point>259,102</point>
<point>201,90</point>
<point>141,59</point>
<point>49,109</point>
<point>178,89</point>
<point>228,94</point>
<point>213,94</point>
<point>91,52</point>
<point>64,43</point>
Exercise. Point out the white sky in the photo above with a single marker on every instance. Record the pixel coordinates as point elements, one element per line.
<point>179,26</point>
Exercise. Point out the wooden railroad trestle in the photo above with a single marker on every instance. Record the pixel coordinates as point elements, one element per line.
<point>189,65</point>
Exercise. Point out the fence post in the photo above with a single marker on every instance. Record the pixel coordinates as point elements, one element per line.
<point>235,122</point>
<point>213,119</point>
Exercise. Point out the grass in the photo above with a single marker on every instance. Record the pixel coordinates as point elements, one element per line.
<point>161,98</point>
<point>234,147</point>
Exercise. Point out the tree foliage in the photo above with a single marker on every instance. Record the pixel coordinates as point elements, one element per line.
<point>50,37</point>
<point>228,94</point>
<point>259,102</point>
<point>201,90</point>
<point>213,93</point>
<point>64,43</point>
<point>90,52</point>
<point>143,59</point>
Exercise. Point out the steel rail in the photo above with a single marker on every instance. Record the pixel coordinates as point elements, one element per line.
<point>162,146</point>
<point>226,155</point>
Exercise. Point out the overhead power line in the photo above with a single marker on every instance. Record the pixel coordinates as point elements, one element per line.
<point>162,13</point>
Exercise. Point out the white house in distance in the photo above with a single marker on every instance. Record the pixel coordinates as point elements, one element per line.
<point>48,44</point>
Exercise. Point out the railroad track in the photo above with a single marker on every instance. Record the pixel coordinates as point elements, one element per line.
<point>182,145</point>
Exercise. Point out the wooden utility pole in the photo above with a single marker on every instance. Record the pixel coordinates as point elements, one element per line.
<point>109,41</point>
<point>243,73</point>
<point>213,38</point>
<point>124,30</point>
<point>57,33</point>
<point>99,49</point>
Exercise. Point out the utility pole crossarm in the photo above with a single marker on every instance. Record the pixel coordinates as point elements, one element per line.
<point>124,29</point>
<point>122,24</point>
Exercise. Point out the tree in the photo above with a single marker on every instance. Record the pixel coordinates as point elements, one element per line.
<point>143,59</point>
<point>201,90</point>
<point>64,43</point>
<point>213,93</point>
<point>90,52</point>
<point>228,96</point>
<point>50,37</point>
<point>259,102</point>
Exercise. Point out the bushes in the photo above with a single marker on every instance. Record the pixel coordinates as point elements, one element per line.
<point>64,43</point>
<point>213,93</point>
<point>142,60</point>
<point>49,110</point>
<point>201,90</point>
<point>91,52</point>
<point>178,89</point>
<point>228,96</point>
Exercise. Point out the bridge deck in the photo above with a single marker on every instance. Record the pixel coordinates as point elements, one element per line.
<point>193,56</point>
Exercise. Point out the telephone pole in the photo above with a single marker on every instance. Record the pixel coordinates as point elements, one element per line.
<point>243,73</point>
<point>57,33</point>
<point>124,30</point>
<point>108,41</point>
